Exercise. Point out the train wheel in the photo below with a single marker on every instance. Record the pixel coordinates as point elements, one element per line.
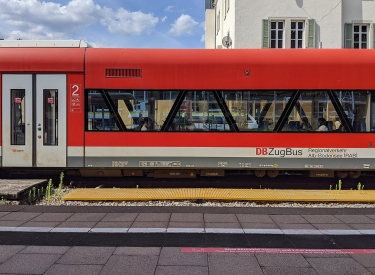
<point>260,173</point>
<point>355,174</point>
<point>273,173</point>
<point>341,174</point>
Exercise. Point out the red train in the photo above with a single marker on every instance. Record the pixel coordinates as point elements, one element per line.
<point>179,113</point>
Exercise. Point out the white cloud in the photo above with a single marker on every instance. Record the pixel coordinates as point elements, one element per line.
<point>129,23</point>
<point>164,18</point>
<point>203,38</point>
<point>37,19</point>
<point>183,25</point>
<point>168,9</point>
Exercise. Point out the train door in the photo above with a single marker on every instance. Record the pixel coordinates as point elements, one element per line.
<point>33,120</point>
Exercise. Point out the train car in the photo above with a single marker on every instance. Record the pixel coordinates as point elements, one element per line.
<point>181,112</point>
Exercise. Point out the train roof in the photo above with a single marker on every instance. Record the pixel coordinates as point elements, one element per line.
<point>174,69</point>
<point>231,69</point>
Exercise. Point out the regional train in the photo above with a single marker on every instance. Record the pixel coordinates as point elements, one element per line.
<point>183,113</point>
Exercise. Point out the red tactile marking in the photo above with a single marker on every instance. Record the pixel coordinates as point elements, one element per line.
<point>277,250</point>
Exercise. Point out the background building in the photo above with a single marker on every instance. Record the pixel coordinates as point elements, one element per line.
<point>290,23</point>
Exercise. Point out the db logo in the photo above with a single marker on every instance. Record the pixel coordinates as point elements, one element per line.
<point>261,151</point>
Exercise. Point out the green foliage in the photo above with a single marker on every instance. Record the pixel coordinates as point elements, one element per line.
<point>49,189</point>
<point>359,186</point>
<point>60,183</point>
<point>3,201</point>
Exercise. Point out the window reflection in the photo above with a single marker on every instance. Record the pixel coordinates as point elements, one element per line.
<point>223,111</point>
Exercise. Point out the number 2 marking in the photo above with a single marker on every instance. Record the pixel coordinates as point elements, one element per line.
<point>75,90</point>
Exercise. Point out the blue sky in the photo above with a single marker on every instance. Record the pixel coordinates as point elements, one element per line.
<point>107,23</point>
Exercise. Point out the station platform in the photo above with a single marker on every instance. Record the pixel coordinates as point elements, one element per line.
<point>147,194</point>
<point>186,240</point>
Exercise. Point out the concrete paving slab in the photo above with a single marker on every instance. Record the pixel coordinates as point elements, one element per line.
<point>120,217</point>
<point>281,260</point>
<point>187,217</point>
<point>19,216</point>
<point>109,230</point>
<point>182,270</point>
<point>186,230</point>
<point>321,219</point>
<point>362,226</point>
<point>296,226</point>
<point>52,217</point>
<point>29,263</point>
<point>365,260</point>
<point>87,255</point>
<point>137,251</point>
<point>186,224</point>
<point>302,232</point>
<point>282,219</point>
<point>159,224</point>
<point>332,226</point>
<point>246,225</point>
<point>263,231</point>
<point>32,229</point>
<point>113,224</point>
<point>172,256</point>
<point>134,265</point>
<point>40,224</point>
<point>4,213</point>
<point>355,219</point>
<point>251,218</point>
<point>86,217</point>
<point>239,264</point>
<point>11,223</point>
<point>82,224</point>
<point>58,269</point>
<point>153,217</point>
<point>220,218</point>
<point>60,250</point>
<point>16,189</point>
<point>8,251</point>
<point>288,271</point>
<point>337,266</point>
<point>233,225</point>
<point>224,230</point>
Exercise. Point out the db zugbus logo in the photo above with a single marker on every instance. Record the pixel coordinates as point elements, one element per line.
<point>278,152</point>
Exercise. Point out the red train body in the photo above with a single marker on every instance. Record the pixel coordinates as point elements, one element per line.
<point>179,113</point>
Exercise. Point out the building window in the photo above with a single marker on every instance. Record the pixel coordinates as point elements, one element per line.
<point>277,33</point>
<point>296,34</point>
<point>360,37</point>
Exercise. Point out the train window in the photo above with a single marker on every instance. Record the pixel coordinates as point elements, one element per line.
<point>235,111</point>
<point>17,117</point>
<point>50,117</point>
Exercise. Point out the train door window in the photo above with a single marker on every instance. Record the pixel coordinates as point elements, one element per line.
<point>50,120</point>
<point>17,117</point>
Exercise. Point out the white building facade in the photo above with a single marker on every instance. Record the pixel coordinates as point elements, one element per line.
<point>287,24</point>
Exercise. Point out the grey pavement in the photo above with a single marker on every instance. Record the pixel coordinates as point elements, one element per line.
<point>174,222</point>
<point>170,260</point>
<point>36,240</point>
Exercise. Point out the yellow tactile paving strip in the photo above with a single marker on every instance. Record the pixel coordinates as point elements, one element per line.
<point>119,194</point>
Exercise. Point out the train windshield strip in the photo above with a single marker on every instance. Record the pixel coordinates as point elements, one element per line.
<point>230,111</point>
<point>17,107</point>
<point>50,117</point>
